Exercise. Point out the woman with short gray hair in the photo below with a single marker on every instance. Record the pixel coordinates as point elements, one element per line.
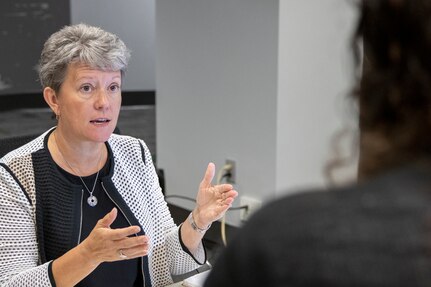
<point>81,206</point>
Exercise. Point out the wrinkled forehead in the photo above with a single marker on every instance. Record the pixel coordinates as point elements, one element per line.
<point>80,68</point>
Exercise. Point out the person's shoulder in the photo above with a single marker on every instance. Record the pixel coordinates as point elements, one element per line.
<point>308,199</point>
<point>392,188</point>
<point>120,137</point>
<point>124,140</point>
<point>21,147</point>
<point>303,208</point>
<point>127,146</point>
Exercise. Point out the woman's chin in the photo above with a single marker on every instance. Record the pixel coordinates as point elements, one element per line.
<point>102,136</point>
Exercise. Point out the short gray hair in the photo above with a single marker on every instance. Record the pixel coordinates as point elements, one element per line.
<point>84,44</point>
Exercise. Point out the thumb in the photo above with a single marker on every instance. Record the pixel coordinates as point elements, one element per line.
<point>209,175</point>
<point>108,219</point>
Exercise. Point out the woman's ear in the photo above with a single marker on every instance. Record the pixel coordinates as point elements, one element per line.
<point>51,99</point>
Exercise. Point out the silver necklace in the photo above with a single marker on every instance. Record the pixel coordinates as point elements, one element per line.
<point>91,200</point>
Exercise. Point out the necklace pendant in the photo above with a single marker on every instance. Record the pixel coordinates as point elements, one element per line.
<point>92,201</point>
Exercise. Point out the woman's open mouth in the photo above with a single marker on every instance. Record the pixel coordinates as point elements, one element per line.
<point>100,121</point>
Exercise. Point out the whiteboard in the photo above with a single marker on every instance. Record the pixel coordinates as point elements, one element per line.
<point>24,27</point>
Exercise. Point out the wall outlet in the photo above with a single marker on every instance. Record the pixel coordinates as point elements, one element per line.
<point>253,205</point>
<point>232,173</point>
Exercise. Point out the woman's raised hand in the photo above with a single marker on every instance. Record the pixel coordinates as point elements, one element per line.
<point>212,200</point>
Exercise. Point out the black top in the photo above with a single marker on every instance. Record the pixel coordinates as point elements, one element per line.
<point>118,273</point>
<point>373,234</point>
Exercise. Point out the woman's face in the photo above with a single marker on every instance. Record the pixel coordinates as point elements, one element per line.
<point>89,103</point>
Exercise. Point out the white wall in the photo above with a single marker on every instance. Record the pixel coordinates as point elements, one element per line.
<point>252,80</point>
<point>314,78</point>
<point>133,21</point>
<point>216,80</point>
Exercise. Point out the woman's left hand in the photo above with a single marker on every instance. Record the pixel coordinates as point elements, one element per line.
<point>212,200</point>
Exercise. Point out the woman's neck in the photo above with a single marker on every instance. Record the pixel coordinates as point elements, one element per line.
<point>81,159</point>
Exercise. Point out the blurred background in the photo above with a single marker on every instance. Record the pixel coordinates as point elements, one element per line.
<point>258,83</point>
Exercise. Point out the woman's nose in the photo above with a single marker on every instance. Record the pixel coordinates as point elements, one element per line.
<point>102,100</point>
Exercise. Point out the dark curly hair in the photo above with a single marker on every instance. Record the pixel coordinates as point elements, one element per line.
<point>394,94</point>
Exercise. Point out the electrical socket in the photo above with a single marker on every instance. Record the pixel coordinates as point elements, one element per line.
<point>232,173</point>
<point>253,205</point>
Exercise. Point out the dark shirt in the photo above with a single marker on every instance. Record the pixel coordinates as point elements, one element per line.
<point>119,273</point>
<point>373,234</point>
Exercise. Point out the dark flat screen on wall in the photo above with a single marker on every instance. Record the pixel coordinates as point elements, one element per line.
<point>24,27</point>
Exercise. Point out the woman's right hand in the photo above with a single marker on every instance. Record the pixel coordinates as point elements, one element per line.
<point>102,245</point>
<point>106,245</point>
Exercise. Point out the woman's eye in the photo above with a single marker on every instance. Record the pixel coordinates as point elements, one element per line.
<point>86,88</point>
<point>114,88</point>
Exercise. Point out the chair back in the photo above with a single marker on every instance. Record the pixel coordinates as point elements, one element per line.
<point>8,144</point>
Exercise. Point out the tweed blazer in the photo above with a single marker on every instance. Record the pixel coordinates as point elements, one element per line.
<point>41,214</point>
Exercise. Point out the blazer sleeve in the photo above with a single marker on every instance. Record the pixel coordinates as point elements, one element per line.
<point>19,257</point>
<point>179,259</point>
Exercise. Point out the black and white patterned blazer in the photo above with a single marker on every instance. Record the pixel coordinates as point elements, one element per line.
<point>40,213</point>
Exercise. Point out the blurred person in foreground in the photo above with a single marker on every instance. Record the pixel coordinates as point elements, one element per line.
<point>376,232</point>
<point>81,206</point>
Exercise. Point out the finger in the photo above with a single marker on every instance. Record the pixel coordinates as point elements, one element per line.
<point>134,252</point>
<point>209,175</point>
<point>122,254</point>
<point>226,194</point>
<point>140,250</point>
<point>228,201</point>
<point>108,219</point>
<point>121,233</point>
<point>231,194</point>
<point>227,198</point>
<point>132,242</point>
<point>223,187</point>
